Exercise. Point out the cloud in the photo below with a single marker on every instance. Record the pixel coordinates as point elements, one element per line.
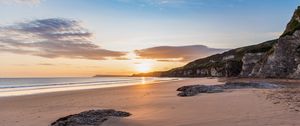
<point>46,64</point>
<point>52,38</point>
<point>177,53</point>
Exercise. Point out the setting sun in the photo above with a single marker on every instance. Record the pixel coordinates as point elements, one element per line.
<point>143,67</point>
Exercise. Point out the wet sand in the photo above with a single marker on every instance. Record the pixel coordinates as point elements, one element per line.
<point>151,105</point>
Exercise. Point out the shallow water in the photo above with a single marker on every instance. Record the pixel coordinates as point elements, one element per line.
<point>26,86</point>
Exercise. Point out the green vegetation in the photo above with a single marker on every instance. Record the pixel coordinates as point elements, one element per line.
<point>230,62</point>
<point>293,25</point>
<point>217,61</point>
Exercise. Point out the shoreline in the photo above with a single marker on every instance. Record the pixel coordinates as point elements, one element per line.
<point>35,90</point>
<point>150,104</point>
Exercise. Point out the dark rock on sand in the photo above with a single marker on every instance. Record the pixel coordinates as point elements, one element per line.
<point>241,85</point>
<point>192,90</point>
<point>196,89</point>
<point>89,118</point>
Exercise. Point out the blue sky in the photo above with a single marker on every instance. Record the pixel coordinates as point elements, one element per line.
<point>147,23</point>
<point>87,37</point>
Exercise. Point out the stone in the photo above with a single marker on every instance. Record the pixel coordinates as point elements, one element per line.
<point>249,61</point>
<point>193,90</point>
<point>89,118</point>
<point>241,85</point>
<point>196,89</point>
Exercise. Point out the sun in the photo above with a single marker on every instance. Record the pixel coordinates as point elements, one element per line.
<point>143,67</point>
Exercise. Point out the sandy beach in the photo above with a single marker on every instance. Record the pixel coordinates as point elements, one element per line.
<point>151,105</point>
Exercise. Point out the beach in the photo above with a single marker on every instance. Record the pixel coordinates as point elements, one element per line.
<point>151,105</point>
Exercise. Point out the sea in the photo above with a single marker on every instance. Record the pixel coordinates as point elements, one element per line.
<point>30,86</point>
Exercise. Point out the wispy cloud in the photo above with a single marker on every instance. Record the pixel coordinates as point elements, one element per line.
<point>52,38</point>
<point>46,64</point>
<point>177,53</point>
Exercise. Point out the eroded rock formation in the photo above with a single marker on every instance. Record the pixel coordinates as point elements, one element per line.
<point>193,90</point>
<point>89,118</point>
<point>283,61</point>
<point>279,58</point>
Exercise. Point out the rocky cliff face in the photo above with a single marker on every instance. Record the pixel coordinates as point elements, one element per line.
<point>284,60</point>
<point>294,24</point>
<point>278,58</point>
<point>250,60</point>
<point>227,64</point>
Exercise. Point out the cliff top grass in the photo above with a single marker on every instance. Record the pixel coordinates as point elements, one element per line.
<point>217,59</point>
<point>294,24</point>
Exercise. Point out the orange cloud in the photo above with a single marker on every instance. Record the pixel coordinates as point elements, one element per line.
<point>177,53</point>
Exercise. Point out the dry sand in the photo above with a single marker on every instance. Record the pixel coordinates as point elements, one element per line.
<point>151,105</point>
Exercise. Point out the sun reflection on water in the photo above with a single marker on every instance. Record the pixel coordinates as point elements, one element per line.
<point>143,80</point>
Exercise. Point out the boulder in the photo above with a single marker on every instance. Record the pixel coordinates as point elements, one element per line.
<point>196,89</point>
<point>193,90</point>
<point>89,118</point>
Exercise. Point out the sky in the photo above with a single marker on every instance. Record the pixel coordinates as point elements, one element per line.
<point>59,38</point>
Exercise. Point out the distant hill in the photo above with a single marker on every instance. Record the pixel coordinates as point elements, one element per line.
<point>150,74</point>
<point>111,76</point>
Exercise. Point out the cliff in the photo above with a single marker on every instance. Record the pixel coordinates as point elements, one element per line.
<point>284,60</point>
<point>279,58</point>
<point>294,24</point>
<point>229,63</point>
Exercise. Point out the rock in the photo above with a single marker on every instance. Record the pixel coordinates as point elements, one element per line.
<point>183,88</point>
<point>228,57</point>
<point>249,61</point>
<point>241,85</point>
<point>89,118</point>
<point>233,68</point>
<point>217,71</point>
<point>284,60</point>
<point>196,89</point>
<point>279,58</point>
<point>193,90</point>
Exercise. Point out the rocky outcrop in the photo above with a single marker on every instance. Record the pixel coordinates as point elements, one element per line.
<point>233,68</point>
<point>278,58</point>
<point>193,90</point>
<point>89,118</point>
<point>196,89</point>
<point>284,60</point>
<point>250,60</point>
<point>228,64</point>
<point>294,24</point>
